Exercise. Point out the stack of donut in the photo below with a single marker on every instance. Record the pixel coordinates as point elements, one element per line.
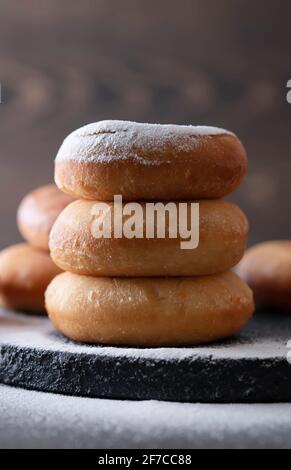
<point>149,291</point>
<point>26,269</point>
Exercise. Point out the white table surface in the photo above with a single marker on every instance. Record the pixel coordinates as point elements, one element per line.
<point>40,420</point>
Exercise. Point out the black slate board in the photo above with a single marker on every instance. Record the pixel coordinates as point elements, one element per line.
<point>250,368</point>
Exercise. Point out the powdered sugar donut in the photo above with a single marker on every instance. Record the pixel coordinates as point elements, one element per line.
<point>266,267</point>
<point>223,230</point>
<point>149,162</point>
<point>149,311</point>
<point>38,212</point>
<point>25,273</point>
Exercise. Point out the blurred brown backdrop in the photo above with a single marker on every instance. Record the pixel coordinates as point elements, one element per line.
<point>65,63</point>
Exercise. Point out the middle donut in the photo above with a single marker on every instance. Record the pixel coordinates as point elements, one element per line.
<point>223,230</point>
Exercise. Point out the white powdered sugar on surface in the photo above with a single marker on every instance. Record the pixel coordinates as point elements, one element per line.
<point>42,420</point>
<point>32,419</point>
<point>107,141</point>
<point>256,341</point>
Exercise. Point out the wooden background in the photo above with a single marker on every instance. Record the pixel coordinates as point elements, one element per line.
<point>65,63</point>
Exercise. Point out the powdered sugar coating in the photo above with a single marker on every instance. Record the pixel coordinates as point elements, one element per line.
<point>107,141</point>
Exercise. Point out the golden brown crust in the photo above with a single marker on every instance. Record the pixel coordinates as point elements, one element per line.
<point>38,212</point>
<point>213,167</point>
<point>149,312</point>
<point>267,269</point>
<point>25,273</point>
<point>223,234</point>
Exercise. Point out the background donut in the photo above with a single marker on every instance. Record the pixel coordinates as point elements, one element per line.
<point>25,273</point>
<point>149,162</point>
<point>266,268</point>
<point>223,235</point>
<point>148,312</point>
<point>38,212</point>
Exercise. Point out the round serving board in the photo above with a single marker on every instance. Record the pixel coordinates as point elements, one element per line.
<point>251,367</point>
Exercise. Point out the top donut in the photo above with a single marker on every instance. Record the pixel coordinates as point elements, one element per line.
<point>149,162</point>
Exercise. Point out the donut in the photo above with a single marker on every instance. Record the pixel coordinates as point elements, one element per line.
<point>38,212</point>
<point>149,162</point>
<point>223,235</point>
<point>267,270</point>
<point>148,312</point>
<point>25,273</point>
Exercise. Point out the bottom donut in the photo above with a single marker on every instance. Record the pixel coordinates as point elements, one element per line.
<point>149,312</point>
